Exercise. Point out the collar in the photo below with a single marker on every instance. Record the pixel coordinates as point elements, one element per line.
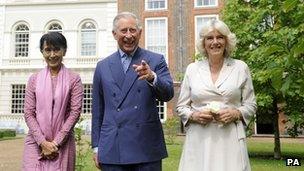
<point>122,53</point>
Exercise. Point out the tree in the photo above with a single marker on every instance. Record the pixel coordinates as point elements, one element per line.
<point>271,41</point>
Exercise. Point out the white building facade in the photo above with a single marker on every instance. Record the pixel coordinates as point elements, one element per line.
<point>87,26</point>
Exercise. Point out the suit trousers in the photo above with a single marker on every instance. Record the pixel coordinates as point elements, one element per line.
<point>150,166</point>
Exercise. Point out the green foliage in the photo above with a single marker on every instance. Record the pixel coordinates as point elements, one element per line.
<point>7,133</point>
<point>171,128</point>
<point>180,76</point>
<point>271,41</point>
<point>197,57</point>
<point>250,127</point>
<point>82,147</point>
<point>296,117</point>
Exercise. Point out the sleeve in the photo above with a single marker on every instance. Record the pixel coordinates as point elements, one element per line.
<point>30,111</point>
<point>248,100</point>
<point>97,107</point>
<point>73,116</point>
<point>154,81</point>
<point>183,106</point>
<point>164,84</point>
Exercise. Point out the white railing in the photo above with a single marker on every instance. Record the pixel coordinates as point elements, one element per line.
<point>87,60</point>
<point>26,62</point>
<point>13,121</point>
<point>19,61</point>
<point>16,122</point>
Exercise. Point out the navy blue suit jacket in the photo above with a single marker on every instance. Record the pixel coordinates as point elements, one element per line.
<point>125,121</point>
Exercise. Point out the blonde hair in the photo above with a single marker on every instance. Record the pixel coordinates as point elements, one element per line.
<point>221,27</point>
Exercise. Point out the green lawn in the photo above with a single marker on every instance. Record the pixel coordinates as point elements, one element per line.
<point>260,152</point>
<point>171,163</point>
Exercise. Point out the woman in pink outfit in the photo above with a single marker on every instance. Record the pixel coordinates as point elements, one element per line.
<point>52,107</point>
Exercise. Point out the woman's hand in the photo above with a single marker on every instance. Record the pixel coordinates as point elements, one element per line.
<point>227,115</point>
<point>49,150</point>
<point>202,117</point>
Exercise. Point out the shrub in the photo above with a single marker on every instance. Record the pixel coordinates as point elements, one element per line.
<point>7,133</point>
<point>171,128</point>
<point>82,147</point>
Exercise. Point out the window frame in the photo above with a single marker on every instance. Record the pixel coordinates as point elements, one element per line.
<point>205,6</point>
<point>166,38</point>
<point>155,9</point>
<point>80,38</point>
<point>47,26</point>
<point>15,32</point>
<point>19,101</point>
<point>87,98</point>
<point>165,110</point>
<point>196,31</point>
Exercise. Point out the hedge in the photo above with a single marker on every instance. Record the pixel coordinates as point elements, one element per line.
<point>7,133</point>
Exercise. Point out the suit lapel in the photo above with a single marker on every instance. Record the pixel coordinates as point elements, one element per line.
<point>225,71</point>
<point>131,75</point>
<point>117,70</point>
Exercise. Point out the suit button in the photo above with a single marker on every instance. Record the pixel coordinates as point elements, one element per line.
<point>118,109</point>
<point>119,126</point>
<point>114,95</point>
<point>138,90</point>
<point>135,107</point>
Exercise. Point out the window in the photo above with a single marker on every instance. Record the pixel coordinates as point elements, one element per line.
<point>156,41</point>
<point>206,3</point>
<point>200,21</point>
<point>161,106</point>
<point>87,99</point>
<point>88,39</point>
<point>54,27</point>
<point>21,40</point>
<point>18,95</point>
<point>156,35</point>
<point>155,4</point>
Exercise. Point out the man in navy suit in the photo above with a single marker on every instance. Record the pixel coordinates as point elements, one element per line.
<point>126,131</point>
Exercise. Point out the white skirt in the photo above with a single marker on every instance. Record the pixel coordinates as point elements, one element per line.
<point>214,148</point>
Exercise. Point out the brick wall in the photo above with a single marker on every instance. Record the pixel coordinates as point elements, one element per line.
<point>181,40</point>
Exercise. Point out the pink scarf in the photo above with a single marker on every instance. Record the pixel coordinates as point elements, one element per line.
<point>51,108</point>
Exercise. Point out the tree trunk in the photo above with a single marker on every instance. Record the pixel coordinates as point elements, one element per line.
<point>277,144</point>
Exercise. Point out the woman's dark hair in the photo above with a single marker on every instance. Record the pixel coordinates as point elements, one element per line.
<point>55,39</point>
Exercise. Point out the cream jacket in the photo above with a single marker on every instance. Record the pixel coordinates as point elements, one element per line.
<point>233,88</point>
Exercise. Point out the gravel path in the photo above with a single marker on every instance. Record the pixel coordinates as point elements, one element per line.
<point>11,154</point>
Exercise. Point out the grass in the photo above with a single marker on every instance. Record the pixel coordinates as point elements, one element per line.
<point>264,149</point>
<point>174,152</point>
<point>11,138</point>
<point>260,164</point>
<point>260,152</point>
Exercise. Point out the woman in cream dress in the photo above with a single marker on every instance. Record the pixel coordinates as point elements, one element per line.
<point>215,104</point>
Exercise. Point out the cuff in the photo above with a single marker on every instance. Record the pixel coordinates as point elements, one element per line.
<point>186,118</point>
<point>154,80</point>
<point>95,150</point>
<point>40,140</point>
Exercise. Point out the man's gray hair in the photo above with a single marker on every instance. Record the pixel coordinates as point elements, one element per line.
<point>125,15</point>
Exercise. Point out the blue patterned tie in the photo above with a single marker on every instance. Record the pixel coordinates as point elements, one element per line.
<point>126,60</point>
